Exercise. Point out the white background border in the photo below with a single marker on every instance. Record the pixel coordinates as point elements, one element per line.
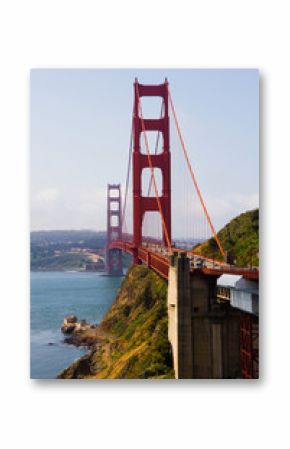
<point>137,414</point>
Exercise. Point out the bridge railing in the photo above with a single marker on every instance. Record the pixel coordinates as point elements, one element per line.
<point>157,257</point>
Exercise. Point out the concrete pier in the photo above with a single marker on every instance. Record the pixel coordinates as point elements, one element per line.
<point>179,315</point>
<point>204,335</point>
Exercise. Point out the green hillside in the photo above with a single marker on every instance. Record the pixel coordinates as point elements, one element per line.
<point>239,237</point>
<point>131,341</point>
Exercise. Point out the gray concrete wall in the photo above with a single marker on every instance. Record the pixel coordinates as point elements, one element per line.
<point>204,335</point>
<point>179,313</point>
<point>172,300</point>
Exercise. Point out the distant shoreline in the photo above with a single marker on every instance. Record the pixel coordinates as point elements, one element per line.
<point>66,271</point>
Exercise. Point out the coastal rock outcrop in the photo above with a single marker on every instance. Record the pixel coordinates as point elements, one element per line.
<point>69,324</point>
<point>80,333</point>
<point>131,342</point>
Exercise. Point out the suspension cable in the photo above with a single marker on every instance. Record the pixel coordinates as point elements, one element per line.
<point>128,175</point>
<point>192,175</point>
<point>152,174</point>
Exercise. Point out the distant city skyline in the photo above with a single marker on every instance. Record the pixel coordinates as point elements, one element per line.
<point>80,128</point>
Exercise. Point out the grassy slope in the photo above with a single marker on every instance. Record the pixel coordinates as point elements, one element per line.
<point>240,236</point>
<point>133,341</point>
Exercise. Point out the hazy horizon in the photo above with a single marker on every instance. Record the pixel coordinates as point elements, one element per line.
<point>105,231</point>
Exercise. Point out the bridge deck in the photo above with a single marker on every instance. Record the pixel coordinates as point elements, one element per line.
<point>157,258</point>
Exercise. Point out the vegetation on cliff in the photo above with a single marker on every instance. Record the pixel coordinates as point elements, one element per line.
<point>132,340</point>
<point>239,237</point>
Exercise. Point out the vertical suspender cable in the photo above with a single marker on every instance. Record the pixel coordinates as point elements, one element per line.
<point>128,174</point>
<point>192,175</point>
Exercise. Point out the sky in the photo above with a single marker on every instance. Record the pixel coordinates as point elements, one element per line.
<point>80,122</point>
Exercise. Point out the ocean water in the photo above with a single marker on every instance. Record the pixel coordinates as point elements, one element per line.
<point>54,295</point>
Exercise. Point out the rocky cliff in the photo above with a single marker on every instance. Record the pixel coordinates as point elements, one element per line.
<point>131,340</point>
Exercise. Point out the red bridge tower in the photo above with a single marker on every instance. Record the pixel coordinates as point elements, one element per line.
<point>142,204</point>
<point>114,264</point>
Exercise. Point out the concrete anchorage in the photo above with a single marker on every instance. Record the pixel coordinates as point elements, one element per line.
<point>204,335</point>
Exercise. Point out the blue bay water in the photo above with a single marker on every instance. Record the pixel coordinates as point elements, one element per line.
<point>54,295</point>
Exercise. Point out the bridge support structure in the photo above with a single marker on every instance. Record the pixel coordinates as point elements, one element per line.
<point>249,338</point>
<point>114,264</point>
<point>179,315</point>
<point>142,204</point>
<point>204,335</point>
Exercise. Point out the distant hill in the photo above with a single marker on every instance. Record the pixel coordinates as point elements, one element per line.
<point>69,238</point>
<point>64,250</point>
<point>239,237</point>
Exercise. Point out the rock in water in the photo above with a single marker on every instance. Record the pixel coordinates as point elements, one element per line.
<point>80,332</point>
<point>69,324</point>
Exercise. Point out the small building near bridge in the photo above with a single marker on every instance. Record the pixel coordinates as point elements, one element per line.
<point>240,292</point>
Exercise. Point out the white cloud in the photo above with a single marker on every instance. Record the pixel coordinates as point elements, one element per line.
<point>231,203</point>
<point>222,210</point>
<point>49,195</point>
<point>52,209</point>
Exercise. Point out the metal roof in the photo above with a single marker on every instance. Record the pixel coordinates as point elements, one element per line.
<point>228,280</point>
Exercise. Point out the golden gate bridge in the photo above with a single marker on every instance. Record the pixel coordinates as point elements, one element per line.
<point>145,248</point>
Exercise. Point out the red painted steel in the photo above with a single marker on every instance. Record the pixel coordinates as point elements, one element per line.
<point>248,347</point>
<point>193,177</point>
<point>142,204</point>
<point>230,269</point>
<point>160,263</point>
<point>114,230</point>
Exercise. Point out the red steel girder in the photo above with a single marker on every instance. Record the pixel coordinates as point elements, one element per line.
<point>114,264</point>
<point>249,346</point>
<point>140,161</point>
